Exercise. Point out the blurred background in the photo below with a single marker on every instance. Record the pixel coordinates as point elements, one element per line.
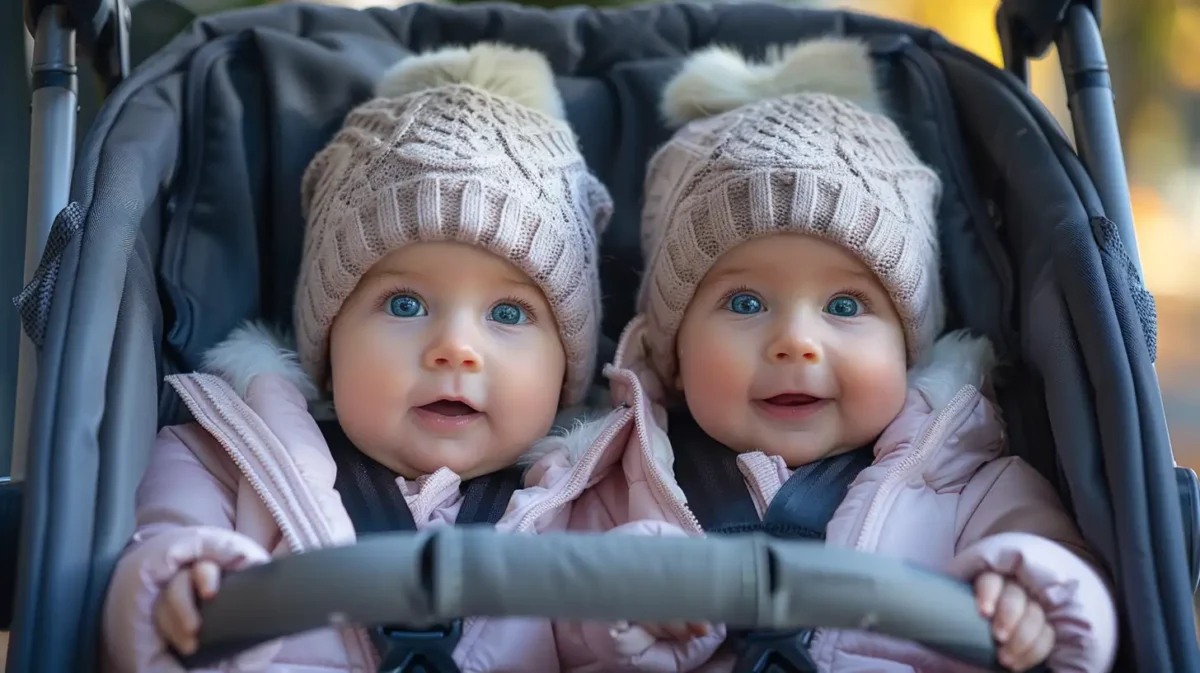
<point>1154,54</point>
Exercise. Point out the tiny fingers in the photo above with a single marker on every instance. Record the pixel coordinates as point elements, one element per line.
<point>206,579</point>
<point>1030,642</point>
<point>175,614</point>
<point>1009,609</point>
<point>987,591</point>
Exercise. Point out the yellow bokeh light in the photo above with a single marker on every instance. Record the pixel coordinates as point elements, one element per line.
<point>1184,54</point>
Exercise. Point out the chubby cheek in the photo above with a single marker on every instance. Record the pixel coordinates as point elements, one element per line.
<point>873,385</point>
<point>715,370</point>
<point>524,380</point>
<point>369,387</point>
<point>524,399</point>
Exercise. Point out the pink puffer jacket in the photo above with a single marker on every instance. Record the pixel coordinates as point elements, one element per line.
<point>941,493</point>
<point>252,478</point>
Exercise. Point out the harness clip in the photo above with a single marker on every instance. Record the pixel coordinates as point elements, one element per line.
<point>404,650</point>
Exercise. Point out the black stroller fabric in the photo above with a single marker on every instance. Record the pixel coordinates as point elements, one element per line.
<point>187,221</point>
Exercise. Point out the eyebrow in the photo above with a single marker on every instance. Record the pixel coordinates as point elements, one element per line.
<point>723,274</point>
<point>857,273</point>
<point>717,276</point>
<point>378,275</point>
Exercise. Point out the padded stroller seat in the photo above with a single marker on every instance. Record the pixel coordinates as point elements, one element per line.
<point>186,221</point>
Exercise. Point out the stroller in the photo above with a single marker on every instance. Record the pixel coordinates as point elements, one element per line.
<point>183,220</point>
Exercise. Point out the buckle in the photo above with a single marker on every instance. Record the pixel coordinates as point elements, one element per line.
<point>775,652</point>
<point>403,650</point>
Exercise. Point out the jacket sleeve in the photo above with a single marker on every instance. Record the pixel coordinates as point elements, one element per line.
<point>1014,524</point>
<point>184,514</point>
<point>595,647</point>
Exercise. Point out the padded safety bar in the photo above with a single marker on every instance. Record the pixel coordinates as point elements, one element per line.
<point>744,581</point>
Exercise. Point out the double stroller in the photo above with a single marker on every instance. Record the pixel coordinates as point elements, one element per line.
<point>182,220</point>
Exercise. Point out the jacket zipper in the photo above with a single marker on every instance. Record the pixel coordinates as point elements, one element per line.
<point>285,526</point>
<point>309,520</point>
<point>579,476</point>
<point>680,509</point>
<point>933,436</point>
<point>257,483</point>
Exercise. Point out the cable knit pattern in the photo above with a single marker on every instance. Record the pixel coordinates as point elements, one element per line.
<point>807,163</point>
<point>454,163</point>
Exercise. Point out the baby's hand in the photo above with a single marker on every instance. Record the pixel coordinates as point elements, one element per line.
<point>1018,622</point>
<point>175,612</point>
<point>680,631</point>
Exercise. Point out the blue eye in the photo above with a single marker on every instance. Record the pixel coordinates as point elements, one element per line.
<point>508,313</point>
<point>843,306</point>
<point>405,306</point>
<point>745,304</point>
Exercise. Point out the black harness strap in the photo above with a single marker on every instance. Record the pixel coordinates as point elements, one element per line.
<point>376,505</point>
<point>807,500</point>
<point>368,488</point>
<point>485,498</point>
<point>707,472</point>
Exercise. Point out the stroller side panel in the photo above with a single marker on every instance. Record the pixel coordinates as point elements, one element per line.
<point>92,392</point>
<point>188,188</point>
<point>1088,327</point>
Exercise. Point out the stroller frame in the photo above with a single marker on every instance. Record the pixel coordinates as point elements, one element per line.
<point>99,29</point>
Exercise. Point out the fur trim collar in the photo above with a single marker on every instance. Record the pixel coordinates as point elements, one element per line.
<point>957,359</point>
<point>252,349</point>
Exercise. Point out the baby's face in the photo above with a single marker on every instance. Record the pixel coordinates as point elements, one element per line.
<point>445,356</point>
<point>791,346</point>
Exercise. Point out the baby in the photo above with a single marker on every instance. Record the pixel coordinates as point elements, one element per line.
<point>447,306</point>
<point>790,316</point>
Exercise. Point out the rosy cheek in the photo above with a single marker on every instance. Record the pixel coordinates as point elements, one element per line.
<point>717,366</point>
<point>368,366</point>
<point>875,386</point>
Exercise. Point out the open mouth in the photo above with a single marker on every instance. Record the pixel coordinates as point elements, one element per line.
<point>792,400</point>
<point>451,408</point>
<point>790,406</point>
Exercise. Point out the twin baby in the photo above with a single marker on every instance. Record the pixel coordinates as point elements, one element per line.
<point>447,310</point>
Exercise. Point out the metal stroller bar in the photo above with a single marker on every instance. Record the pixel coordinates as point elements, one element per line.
<point>51,156</point>
<point>1026,29</point>
<point>102,29</point>
<point>1094,117</point>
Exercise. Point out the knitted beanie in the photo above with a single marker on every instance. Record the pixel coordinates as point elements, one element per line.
<point>798,145</point>
<point>460,145</point>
